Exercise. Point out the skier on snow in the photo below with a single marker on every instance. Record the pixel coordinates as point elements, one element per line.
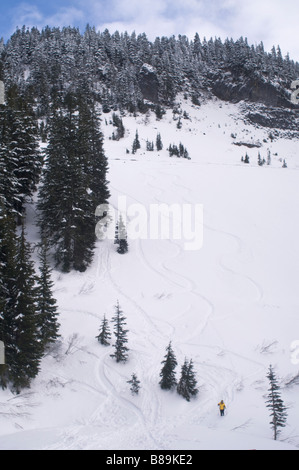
<point>221,407</point>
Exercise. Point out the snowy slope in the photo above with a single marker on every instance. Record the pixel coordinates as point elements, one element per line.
<point>232,306</point>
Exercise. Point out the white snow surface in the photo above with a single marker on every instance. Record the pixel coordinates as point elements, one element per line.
<point>232,306</point>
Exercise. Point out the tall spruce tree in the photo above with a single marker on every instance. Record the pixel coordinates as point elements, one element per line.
<point>19,322</point>
<point>121,237</point>
<point>8,255</point>
<point>121,350</point>
<point>74,182</point>
<point>159,144</point>
<point>167,374</point>
<point>55,195</point>
<point>136,143</point>
<point>19,154</point>
<point>3,289</point>
<point>278,411</point>
<point>104,335</point>
<point>187,383</point>
<point>10,187</point>
<point>46,304</point>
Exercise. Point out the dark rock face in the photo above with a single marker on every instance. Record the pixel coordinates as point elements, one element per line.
<point>252,90</point>
<point>266,105</point>
<point>149,83</point>
<point>275,118</point>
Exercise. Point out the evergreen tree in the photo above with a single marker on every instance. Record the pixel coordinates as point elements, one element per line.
<point>8,255</point>
<point>19,154</point>
<point>121,237</point>
<point>74,182</point>
<point>159,143</point>
<point>275,404</point>
<point>46,304</point>
<point>167,374</point>
<point>136,144</point>
<point>3,289</point>
<point>246,160</point>
<point>261,161</point>
<point>104,335</point>
<point>121,350</point>
<point>179,124</point>
<point>56,195</point>
<point>135,384</point>
<point>93,179</point>
<point>10,187</point>
<point>27,152</point>
<point>149,146</point>
<point>187,383</point>
<point>19,322</point>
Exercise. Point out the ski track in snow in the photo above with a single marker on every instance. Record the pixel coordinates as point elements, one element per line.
<point>114,416</point>
<point>229,377</point>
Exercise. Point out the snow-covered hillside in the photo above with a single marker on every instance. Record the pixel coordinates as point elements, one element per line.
<point>232,306</point>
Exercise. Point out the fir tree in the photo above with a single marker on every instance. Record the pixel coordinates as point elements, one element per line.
<point>121,237</point>
<point>261,161</point>
<point>74,182</point>
<point>159,144</point>
<point>246,160</point>
<point>23,347</point>
<point>3,261</point>
<point>167,374</point>
<point>8,255</point>
<point>10,187</point>
<point>46,304</point>
<point>135,384</point>
<point>104,335</point>
<point>149,146</point>
<point>92,183</point>
<point>136,144</point>
<point>121,350</point>
<point>56,195</point>
<point>275,404</point>
<point>19,154</point>
<point>187,383</point>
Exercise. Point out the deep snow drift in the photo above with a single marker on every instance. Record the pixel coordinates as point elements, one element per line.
<point>232,306</point>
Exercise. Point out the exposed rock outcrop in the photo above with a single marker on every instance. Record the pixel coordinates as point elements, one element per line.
<point>149,83</point>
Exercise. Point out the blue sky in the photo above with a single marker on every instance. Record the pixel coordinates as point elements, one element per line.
<point>271,21</point>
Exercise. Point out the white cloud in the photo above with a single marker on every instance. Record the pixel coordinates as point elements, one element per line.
<point>26,14</point>
<point>31,15</point>
<point>273,22</point>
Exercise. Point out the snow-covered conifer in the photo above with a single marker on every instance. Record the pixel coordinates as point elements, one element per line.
<point>121,350</point>
<point>104,336</point>
<point>167,374</point>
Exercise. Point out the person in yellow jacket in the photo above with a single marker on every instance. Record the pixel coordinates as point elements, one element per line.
<point>221,407</point>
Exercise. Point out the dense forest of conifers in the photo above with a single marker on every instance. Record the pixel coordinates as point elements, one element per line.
<point>45,62</point>
<point>55,80</point>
